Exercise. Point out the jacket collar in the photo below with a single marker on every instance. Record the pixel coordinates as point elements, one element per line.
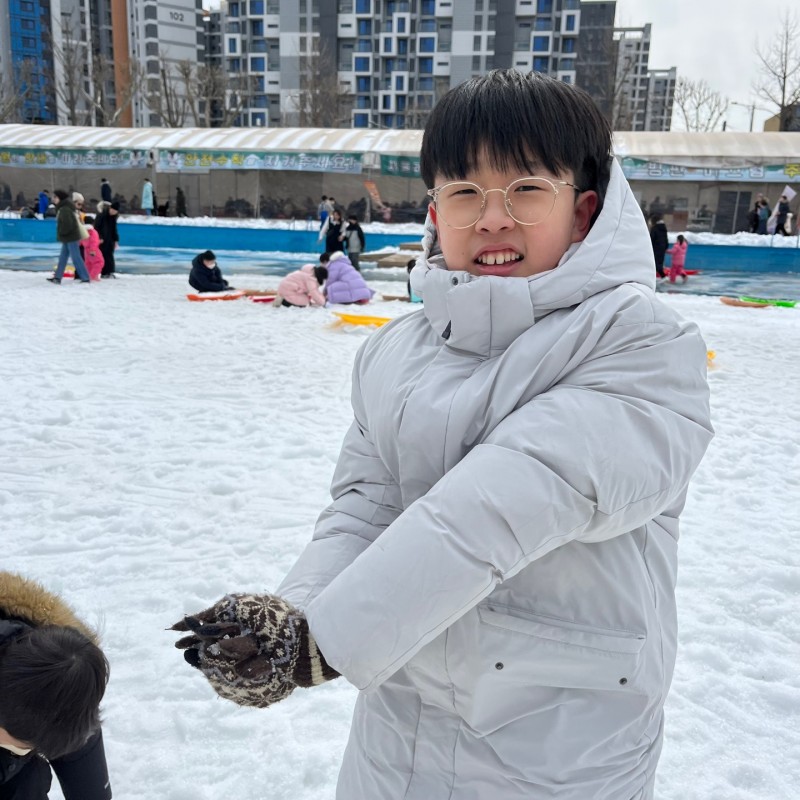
<point>483,315</point>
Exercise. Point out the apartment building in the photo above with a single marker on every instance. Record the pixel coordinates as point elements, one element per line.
<point>27,63</point>
<point>384,63</point>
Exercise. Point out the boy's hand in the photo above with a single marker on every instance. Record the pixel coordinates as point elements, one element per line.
<point>253,649</point>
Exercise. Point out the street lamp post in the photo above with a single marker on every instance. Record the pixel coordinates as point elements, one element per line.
<point>752,107</point>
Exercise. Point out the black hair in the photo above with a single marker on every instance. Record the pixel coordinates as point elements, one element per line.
<point>655,217</point>
<point>412,262</point>
<point>208,256</point>
<point>519,120</point>
<point>61,194</point>
<point>53,680</point>
<point>324,197</point>
<point>324,258</point>
<point>88,220</point>
<point>681,238</point>
<point>321,274</point>
<point>353,217</point>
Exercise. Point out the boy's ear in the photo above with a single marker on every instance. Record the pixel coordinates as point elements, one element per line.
<point>432,212</point>
<point>584,212</point>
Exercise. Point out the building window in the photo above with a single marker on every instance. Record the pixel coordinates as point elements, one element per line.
<point>362,63</point>
<point>233,9</point>
<point>544,7</point>
<point>566,79</point>
<point>427,44</point>
<point>232,46</point>
<point>360,120</point>
<point>476,63</point>
<point>365,27</point>
<point>257,64</point>
<point>543,24</point>
<point>541,44</point>
<point>541,64</point>
<point>426,66</point>
<point>402,47</point>
<point>569,22</point>
<point>256,7</point>
<point>568,45</point>
<point>425,85</point>
<point>428,8</point>
<point>256,27</point>
<point>363,7</point>
<point>401,24</point>
<point>234,65</point>
<point>362,84</point>
<point>476,43</point>
<point>399,83</point>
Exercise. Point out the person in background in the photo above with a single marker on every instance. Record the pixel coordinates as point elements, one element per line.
<point>43,202</point>
<point>301,287</point>
<point>331,232</point>
<point>180,202</point>
<point>354,240</point>
<point>678,253</point>
<point>659,241</point>
<point>323,210</point>
<point>106,227</point>
<point>782,214</point>
<point>205,275</point>
<point>79,200</point>
<point>148,200</point>
<point>105,191</point>
<point>345,283</point>
<point>412,298</point>
<point>92,254</point>
<point>53,676</point>
<point>68,233</point>
<point>763,216</point>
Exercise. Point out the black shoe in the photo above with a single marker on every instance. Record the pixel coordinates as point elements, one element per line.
<point>54,280</point>
<point>81,280</point>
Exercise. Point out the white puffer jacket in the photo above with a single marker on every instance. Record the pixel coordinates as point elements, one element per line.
<point>496,571</point>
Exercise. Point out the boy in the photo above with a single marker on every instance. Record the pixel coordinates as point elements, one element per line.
<point>205,275</point>
<point>52,679</point>
<point>496,571</point>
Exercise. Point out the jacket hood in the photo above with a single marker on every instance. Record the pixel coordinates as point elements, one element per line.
<point>27,600</point>
<point>616,251</point>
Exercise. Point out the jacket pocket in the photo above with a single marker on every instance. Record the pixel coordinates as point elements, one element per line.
<point>507,663</point>
<point>559,653</point>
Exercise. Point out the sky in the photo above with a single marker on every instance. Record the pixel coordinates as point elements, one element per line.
<point>713,40</point>
<point>156,454</point>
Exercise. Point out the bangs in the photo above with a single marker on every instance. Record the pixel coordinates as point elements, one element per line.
<point>516,122</point>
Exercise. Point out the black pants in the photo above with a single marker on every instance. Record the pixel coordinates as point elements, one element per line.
<point>109,267</point>
<point>32,781</point>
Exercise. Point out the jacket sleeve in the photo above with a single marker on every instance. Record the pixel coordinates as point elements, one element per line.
<point>365,501</point>
<point>323,231</point>
<point>607,449</point>
<point>83,775</point>
<point>314,294</point>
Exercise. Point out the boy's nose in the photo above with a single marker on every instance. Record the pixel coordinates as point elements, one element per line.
<point>495,214</point>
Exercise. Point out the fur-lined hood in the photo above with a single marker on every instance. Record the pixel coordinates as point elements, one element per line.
<point>29,601</point>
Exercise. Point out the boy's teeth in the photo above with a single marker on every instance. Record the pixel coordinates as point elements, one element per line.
<point>490,259</point>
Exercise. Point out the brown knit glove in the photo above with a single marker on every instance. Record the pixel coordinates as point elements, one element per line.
<point>253,649</point>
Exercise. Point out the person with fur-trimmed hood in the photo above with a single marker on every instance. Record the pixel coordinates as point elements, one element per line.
<point>53,676</point>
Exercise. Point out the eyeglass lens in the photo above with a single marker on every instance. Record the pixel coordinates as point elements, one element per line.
<point>528,201</point>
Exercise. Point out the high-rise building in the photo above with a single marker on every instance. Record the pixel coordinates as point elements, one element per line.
<point>384,63</point>
<point>27,63</point>
<point>167,40</point>
<point>597,53</point>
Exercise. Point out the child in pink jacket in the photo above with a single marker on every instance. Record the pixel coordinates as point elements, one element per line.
<point>678,253</point>
<point>301,288</point>
<point>92,255</point>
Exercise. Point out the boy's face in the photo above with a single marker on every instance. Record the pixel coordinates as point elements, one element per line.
<point>499,245</point>
<point>209,264</point>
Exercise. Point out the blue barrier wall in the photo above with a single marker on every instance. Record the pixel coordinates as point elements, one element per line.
<point>196,237</point>
<point>735,258</point>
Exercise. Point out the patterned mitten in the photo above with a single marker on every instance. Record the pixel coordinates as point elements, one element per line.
<point>253,649</point>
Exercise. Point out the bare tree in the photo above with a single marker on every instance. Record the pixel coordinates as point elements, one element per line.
<point>70,55</point>
<point>108,100</point>
<point>322,101</point>
<point>780,70</point>
<point>14,93</point>
<point>214,99</point>
<point>164,94</point>
<point>699,107</point>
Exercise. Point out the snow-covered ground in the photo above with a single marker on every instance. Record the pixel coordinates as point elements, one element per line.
<point>157,453</point>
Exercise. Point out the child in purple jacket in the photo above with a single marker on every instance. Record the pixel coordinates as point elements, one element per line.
<point>345,283</point>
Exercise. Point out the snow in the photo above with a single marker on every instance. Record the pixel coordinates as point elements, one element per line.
<point>158,453</point>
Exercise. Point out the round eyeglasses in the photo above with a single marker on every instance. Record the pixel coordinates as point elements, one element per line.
<point>528,201</point>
